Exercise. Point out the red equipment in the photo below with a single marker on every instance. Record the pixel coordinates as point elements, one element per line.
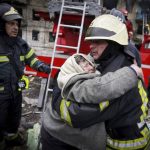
<point>69,36</point>
<point>145,57</point>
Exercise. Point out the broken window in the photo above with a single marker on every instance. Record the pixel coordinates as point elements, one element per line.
<point>51,37</point>
<point>35,35</point>
<point>35,15</point>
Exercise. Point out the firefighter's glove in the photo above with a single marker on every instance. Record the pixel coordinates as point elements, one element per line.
<point>44,68</point>
<point>23,83</point>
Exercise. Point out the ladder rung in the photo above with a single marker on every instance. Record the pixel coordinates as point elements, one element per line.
<point>74,3</point>
<point>64,46</point>
<point>59,52</point>
<point>70,26</point>
<point>71,7</point>
<point>50,90</point>
<point>63,56</point>
<point>55,67</point>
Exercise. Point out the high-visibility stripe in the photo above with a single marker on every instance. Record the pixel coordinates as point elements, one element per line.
<point>145,66</point>
<point>33,61</point>
<point>11,136</point>
<point>145,131</point>
<point>144,98</point>
<point>147,146</point>
<point>103,105</point>
<point>1,88</point>
<point>22,58</point>
<point>130,144</point>
<point>64,111</point>
<point>4,59</point>
<point>139,142</point>
<point>30,53</point>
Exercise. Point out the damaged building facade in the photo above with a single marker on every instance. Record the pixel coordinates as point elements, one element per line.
<point>37,28</point>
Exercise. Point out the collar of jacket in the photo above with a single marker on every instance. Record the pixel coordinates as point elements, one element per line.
<point>11,41</point>
<point>110,53</point>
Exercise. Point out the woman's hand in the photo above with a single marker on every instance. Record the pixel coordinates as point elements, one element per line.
<point>138,70</point>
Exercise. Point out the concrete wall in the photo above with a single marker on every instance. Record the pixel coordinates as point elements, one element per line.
<point>42,46</point>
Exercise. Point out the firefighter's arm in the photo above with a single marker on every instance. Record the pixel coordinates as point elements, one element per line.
<point>32,60</point>
<point>74,114</point>
<point>81,116</point>
<point>98,89</point>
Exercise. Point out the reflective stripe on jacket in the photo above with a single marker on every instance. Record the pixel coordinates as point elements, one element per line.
<point>145,132</point>
<point>124,117</point>
<point>22,54</point>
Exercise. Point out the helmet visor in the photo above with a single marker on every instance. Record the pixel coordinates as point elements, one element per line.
<point>97,32</point>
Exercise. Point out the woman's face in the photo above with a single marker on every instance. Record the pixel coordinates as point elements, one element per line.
<point>12,28</point>
<point>87,66</point>
<point>97,48</point>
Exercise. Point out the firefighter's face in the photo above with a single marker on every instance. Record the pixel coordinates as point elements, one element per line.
<point>97,48</point>
<point>12,28</point>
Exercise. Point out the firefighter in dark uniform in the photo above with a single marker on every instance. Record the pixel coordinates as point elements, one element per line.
<point>15,53</point>
<point>124,117</point>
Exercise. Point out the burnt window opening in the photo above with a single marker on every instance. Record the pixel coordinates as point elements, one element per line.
<point>35,35</point>
<point>51,37</point>
<point>35,15</point>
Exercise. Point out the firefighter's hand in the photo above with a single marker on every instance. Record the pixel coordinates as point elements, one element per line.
<point>44,68</point>
<point>138,71</point>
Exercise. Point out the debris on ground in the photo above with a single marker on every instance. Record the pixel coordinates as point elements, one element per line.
<point>33,137</point>
<point>31,115</point>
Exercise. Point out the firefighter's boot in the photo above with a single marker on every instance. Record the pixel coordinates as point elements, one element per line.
<point>14,140</point>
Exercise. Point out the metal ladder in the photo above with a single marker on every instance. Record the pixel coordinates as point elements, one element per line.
<point>69,7</point>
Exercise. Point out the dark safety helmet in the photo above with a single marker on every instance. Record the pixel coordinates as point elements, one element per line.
<point>107,27</point>
<point>9,13</point>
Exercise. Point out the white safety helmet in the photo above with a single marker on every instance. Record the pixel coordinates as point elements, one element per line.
<point>107,27</point>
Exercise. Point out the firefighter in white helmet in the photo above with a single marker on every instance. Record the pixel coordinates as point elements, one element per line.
<point>15,53</point>
<point>83,109</point>
<point>125,117</point>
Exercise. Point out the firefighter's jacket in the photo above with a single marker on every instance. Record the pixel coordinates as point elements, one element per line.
<point>93,137</point>
<point>22,54</point>
<point>123,116</point>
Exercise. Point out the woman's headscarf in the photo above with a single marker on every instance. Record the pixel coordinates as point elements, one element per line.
<point>69,69</point>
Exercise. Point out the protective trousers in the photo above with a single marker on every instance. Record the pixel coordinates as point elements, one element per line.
<point>10,114</point>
